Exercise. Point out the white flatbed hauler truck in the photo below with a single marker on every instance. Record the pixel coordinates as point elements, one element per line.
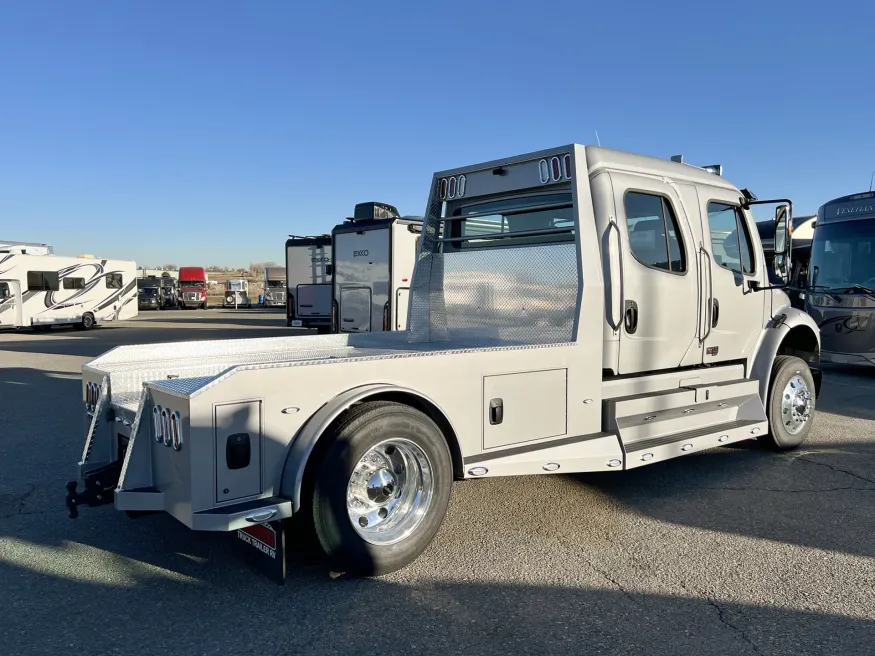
<point>373,254</point>
<point>308,282</point>
<point>576,315</point>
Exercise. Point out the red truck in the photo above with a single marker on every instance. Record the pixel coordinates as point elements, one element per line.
<point>192,287</point>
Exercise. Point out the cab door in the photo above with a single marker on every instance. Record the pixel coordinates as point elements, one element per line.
<point>660,281</point>
<point>735,313</point>
<point>10,303</point>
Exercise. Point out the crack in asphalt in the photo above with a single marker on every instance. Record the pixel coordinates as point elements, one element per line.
<point>835,469</point>
<point>721,615</point>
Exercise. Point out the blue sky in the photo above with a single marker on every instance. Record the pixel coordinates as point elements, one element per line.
<point>205,132</point>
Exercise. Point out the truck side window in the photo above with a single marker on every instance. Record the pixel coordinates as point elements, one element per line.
<point>114,281</point>
<point>730,241</point>
<point>74,283</point>
<point>654,237</point>
<point>42,281</point>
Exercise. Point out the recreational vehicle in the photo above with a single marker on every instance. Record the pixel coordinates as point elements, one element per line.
<point>274,286</point>
<point>25,247</point>
<point>41,291</point>
<point>374,253</point>
<point>308,282</point>
<point>236,294</point>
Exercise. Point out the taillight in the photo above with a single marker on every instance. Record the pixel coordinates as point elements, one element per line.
<point>453,187</point>
<point>544,171</point>
<point>92,394</point>
<point>158,423</point>
<point>290,306</point>
<point>165,420</point>
<point>566,161</point>
<point>555,169</point>
<point>334,310</point>
<point>176,431</point>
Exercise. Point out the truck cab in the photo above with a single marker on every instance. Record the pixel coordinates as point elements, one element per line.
<point>193,287</point>
<point>236,294</point>
<point>373,253</point>
<point>274,286</point>
<point>576,309</point>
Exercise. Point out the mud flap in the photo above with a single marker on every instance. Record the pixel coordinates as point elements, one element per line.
<point>263,547</point>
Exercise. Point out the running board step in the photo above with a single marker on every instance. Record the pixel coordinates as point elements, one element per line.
<point>657,449</point>
<point>680,397</point>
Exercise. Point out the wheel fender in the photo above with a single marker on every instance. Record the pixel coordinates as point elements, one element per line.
<point>304,442</point>
<point>774,334</point>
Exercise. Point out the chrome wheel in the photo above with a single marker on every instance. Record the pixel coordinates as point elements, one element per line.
<point>389,491</point>
<point>796,405</point>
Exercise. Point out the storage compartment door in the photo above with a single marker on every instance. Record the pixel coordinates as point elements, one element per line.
<point>402,298</point>
<point>523,407</point>
<point>313,301</point>
<point>355,310</point>
<point>238,450</point>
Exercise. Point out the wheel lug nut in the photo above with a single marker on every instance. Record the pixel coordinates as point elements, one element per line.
<point>363,522</point>
<point>383,513</point>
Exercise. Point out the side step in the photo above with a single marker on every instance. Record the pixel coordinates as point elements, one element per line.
<point>680,444</point>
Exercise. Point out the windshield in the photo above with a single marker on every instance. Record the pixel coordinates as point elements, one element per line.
<point>148,291</point>
<point>197,284</point>
<point>842,254</point>
<point>275,284</point>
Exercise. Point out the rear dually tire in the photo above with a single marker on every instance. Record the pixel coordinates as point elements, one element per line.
<point>382,490</point>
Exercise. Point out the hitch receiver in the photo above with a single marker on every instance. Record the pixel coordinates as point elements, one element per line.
<point>99,489</point>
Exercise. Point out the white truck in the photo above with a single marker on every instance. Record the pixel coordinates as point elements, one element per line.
<point>41,291</point>
<point>571,316</point>
<point>308,282</point>
<point>274,287</point>
<point>373,254</point>
<point>236,294</point>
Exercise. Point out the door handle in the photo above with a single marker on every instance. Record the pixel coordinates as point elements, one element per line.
<point>630,317</point>
<point>715,315</point>
<point>496,411</point>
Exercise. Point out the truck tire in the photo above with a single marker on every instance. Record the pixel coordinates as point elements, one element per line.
<point>87,321</point>
<point>791,401</point>
<point>395,466</point>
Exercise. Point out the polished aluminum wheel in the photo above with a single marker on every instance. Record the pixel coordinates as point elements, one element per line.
<point>389,491</point>
<point>796,405</point>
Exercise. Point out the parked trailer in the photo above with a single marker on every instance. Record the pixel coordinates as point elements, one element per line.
<point>41,291</point>
<point>25,247</point>
<point>571,316</point>
<point>308,282</point>
<point>236,294</point>
<point>274,287</point>
<point>373,253</point>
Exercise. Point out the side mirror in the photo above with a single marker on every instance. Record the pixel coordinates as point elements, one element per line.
<point>782,221</point>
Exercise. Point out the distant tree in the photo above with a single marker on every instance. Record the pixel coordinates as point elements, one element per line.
<point>170,267</point>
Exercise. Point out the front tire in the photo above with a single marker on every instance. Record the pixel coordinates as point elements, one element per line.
<point>382,490</point>
<point>791,402</point>
<point>87,321</point>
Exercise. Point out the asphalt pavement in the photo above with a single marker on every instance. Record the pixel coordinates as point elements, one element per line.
<point>731,551</point>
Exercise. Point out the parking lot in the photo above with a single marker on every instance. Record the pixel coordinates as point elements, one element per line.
<point>731,551</point>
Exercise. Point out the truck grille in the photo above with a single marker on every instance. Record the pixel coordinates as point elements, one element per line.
<point>191,296</point>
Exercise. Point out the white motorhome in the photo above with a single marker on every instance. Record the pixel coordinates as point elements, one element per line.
<point>373,253</point>
<point>308,282</point>
<point>274,287</point>
<point>569,313</point>
<point>40,291</point>
<point>25,247</point>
